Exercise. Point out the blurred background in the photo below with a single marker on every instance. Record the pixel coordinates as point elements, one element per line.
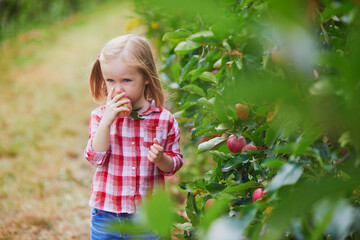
<point>294,65</point>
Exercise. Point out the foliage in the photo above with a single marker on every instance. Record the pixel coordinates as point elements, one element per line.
<point>295,65</point>
<point>21,15</point>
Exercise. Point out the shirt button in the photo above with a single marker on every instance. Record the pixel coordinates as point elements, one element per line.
<point>133,168</point>
<point>133,143</point>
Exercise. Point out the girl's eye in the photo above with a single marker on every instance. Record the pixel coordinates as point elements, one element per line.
<point>127,80</point>
<point>110,80</point>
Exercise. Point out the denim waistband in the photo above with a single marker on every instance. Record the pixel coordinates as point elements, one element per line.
<point>115,216</point>
<point>123,215</point>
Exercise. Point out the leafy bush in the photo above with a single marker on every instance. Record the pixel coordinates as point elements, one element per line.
<point>295,65</point>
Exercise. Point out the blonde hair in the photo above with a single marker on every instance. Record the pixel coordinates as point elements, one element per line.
<point>138,54</point>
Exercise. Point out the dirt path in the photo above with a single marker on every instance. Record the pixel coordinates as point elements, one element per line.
<point>45,104</point>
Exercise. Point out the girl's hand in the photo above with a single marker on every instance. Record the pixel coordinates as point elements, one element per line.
<point>114,107</point>
<point>156,152</point>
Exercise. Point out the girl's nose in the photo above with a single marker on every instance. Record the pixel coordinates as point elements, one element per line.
<point>118,89</point>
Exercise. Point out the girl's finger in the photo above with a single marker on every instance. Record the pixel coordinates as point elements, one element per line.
<point>108,98</point>
<point>156,141</point>
<point>158,146</point>
<point>150,158</point>
<point>118,96</point>
<point>122,109</point>
<point>152,155</point>
<point>121,102</point>
<point>154,150</point>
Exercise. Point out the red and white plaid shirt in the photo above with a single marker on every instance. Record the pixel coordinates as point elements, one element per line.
<point>124,175</point>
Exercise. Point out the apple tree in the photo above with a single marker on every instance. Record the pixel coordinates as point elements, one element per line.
<point>283,76</point>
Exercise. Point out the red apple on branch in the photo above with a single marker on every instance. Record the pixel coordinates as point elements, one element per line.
<point>248,147</point>
<point>235,144</point>
<point>258,193</point>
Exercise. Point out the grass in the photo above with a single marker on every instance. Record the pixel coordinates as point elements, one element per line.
<point>45,106</point>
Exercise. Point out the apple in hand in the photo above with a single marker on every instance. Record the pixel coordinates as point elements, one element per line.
<point>258,193</point>
<point>128,105</point>
<point>242,111</point>
<point>248,147</point>
<point>235,144</point>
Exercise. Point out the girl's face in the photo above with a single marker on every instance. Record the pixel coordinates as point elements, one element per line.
<point>124,78</point>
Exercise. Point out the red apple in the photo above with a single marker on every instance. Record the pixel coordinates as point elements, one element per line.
<point>258,193</point>
<point>249,147</point>
<point>235,144</point>
<point>128,105</point>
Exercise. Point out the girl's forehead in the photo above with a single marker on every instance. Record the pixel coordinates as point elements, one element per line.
<point>124,58</point>
<point>118,67</point>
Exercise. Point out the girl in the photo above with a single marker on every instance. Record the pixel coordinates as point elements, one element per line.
<point>131,155</point>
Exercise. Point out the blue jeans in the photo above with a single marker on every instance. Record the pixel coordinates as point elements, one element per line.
<point>100,221</point>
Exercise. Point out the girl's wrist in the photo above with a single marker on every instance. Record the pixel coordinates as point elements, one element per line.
<point>105,124</point>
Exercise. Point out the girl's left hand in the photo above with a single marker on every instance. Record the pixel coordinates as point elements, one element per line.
<point>156,152</point>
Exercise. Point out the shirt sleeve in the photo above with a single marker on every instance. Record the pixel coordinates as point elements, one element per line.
<point>97,159</point>
<point>172,147</point>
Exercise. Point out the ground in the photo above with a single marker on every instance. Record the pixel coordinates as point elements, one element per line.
<point>45,181</point>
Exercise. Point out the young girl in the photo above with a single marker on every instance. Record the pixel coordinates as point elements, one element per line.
<point>131,155</point>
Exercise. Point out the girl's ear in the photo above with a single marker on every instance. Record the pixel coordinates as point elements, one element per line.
<point>147,82</point>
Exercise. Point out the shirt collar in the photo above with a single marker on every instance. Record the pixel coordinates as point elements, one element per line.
<point>152,109</point>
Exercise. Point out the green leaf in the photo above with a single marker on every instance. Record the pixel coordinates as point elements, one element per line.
<point>270,137</point>
<point>186,47</point>
<point>240,187</point>
<point>194,89</point>
<point>223,127</point>
<point>191,209</point>
<point>214,212</point>
<point>205,102</point>
<point>276,163</point>
<point>217,64</point>
<point>221,155</point>
<point>196,72</point>
<point>209,77</point>
<point>344,139</point>
<point>134,228</point>
<point>214,188</point>
<point>177,35</point>
<point>344,216</point>
<point>236,161</point>
<point>202,36</point>
<point>289,174</point>
<point>189,67</point>
<point>211,144</point>
<point>159,213</point>
<point>185,226</point>
<point>135,115</point>
<point>221,110</point>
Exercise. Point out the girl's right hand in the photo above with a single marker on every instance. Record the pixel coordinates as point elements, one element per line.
<point>114,107</point>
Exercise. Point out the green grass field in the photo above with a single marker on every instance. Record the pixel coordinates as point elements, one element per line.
<point>45,106</point>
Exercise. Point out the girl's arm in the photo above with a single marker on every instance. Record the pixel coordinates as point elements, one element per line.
<point>101,139</point>
<point>96,158</point>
